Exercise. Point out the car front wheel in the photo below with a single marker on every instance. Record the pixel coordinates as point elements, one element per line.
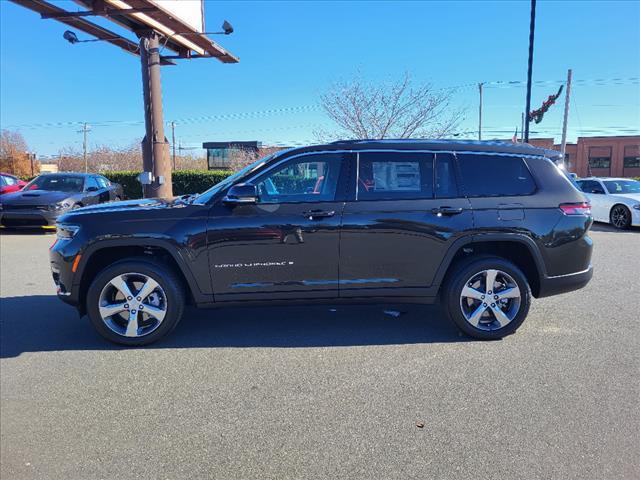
<point>135,302</point>
<point>620,217</point>
<point>487,298</point>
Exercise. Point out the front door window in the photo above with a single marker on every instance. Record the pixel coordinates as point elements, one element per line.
<point>307,179</point>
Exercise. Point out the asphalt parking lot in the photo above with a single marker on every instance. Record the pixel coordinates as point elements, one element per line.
<point>323,392</point>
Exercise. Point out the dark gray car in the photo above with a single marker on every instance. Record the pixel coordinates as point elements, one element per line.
<point>48,196</point>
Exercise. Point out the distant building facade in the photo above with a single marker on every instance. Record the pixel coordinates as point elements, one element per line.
<point>599,156</point>
<point>221,155</point>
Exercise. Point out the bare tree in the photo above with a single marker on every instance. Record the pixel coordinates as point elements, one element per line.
<point>14,156</point>
<point>104,158</point>
<point>395,110</point>
<point>242,157</point>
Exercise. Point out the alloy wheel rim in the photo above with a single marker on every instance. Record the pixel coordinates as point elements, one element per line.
<point>619,217</point>
<point>132,305</point>
<point>490,299</point>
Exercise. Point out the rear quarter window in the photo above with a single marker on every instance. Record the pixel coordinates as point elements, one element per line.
<point>495,176</point>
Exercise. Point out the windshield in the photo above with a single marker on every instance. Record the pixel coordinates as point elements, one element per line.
<point>622,186</point>
<point>208,194</point>
<point>56,183</point>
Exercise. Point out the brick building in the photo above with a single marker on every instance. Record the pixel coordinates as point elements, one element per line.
<point>600,156</point>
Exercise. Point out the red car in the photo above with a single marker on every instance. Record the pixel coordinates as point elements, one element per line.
<point>9,183</point>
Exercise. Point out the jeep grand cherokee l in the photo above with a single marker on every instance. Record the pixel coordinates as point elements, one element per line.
<point>481,226</point>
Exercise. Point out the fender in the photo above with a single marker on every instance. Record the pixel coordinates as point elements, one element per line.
<point>489,237</point>
<point>165,244</point>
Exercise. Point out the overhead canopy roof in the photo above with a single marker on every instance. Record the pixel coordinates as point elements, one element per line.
<point>177,32</point>
<point>181,36</point>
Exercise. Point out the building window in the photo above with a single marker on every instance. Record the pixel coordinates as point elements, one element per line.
<point>600,157</point>
<point>632,156</point>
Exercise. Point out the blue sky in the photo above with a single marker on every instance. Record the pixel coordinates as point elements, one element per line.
<point>290,52</point>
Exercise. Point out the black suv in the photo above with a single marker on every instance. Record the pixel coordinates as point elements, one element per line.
<point>482,226</point>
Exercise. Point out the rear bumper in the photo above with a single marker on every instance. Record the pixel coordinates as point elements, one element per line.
<point>564,283</point>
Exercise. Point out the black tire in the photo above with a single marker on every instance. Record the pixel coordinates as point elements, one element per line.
<point>163,275</point>
<point>620,217</point>
<point>466,270</point>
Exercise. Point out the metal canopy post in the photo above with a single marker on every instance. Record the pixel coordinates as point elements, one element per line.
<point>150,21</point>
<point>155,147</point>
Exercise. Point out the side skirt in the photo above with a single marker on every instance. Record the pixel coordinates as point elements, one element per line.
<point>322,301</point>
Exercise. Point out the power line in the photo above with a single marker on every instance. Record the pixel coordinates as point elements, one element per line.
<point>316,107</point>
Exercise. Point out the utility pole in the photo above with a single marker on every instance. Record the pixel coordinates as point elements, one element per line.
<point>173,142</point>
<point>85,129</point>
<point>480,112</point>
<point>522,129</point>
<point>532,30</point>
<point>32,157</point>
<point>563,147</point>
<point>154,145</point>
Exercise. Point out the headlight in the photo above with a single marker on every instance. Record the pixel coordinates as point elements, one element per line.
<point>637,206</point>
<point>66,231</point>
<point>59,206</point>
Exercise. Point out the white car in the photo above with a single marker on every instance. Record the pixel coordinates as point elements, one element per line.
<point>613,200</point>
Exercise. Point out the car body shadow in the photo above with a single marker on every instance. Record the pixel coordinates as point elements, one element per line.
<point>27,231</point>
<point>42,323</point>
<point>606,227</point>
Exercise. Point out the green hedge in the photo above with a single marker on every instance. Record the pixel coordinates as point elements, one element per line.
<point>184,181</point>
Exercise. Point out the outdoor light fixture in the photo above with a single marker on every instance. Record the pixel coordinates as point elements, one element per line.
<point>227,29</point>
<point>70,37</point>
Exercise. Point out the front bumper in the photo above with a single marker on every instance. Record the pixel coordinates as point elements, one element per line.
<point>31,218</point>
<point>635,217</point>
<point>62,255</point>
<point>564,283</point>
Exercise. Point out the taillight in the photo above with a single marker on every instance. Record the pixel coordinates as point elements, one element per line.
<point>582,208</point>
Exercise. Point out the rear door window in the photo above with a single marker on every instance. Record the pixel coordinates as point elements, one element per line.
<point>446,185</point>
<point>394,175</point>
<point>590,186</point>
<point>495,176</point>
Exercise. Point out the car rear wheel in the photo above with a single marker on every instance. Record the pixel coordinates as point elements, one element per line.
<point>135,302</point>
<point>620,217</point>
<point>487,298</point>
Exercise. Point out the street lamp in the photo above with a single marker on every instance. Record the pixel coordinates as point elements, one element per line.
<point>72,38</point>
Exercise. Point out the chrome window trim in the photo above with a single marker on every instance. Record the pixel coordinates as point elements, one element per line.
<point>392,150</point>
<point>357,176</point>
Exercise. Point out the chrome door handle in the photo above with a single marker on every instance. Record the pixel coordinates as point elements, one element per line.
<point>447,211</point>
<point>315,214</point>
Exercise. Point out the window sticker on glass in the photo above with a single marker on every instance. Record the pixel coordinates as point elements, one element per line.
<point>396,176</point>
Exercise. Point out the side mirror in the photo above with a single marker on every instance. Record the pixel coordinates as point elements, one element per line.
<point>241,194</point>
<point>92,189</point>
